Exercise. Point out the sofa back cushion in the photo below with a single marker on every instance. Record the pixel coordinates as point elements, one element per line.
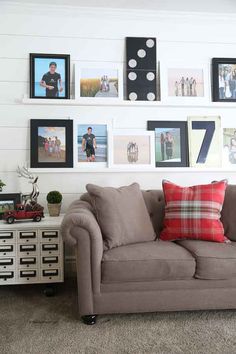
<point>228,213</point>
<point>121,214</point>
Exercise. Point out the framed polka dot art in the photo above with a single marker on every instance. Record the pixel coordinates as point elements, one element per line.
<point>141,69</point>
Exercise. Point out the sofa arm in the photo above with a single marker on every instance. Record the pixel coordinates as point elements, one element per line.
<point>80,228</point>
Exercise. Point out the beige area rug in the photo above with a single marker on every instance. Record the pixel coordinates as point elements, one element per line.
<point>33,323</point>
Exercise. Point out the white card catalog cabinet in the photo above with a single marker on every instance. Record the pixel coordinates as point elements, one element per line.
<point>31,252</point>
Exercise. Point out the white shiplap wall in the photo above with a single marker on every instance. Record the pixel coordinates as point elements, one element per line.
<point>92,35</point>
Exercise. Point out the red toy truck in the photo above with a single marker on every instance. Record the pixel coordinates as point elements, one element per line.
<point>20,214</point>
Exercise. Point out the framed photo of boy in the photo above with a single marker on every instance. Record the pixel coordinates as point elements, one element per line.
<point>131,149</point>
<point>50,76</point>
<point>171,143</point>
<point>51,143</point>
<point>8,202</point>
<point>99,82</point>
<point>224,79</point>
<point>91,142</point>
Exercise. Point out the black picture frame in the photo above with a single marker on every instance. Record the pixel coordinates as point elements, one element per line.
<point>184,154</point>
<point>36,141</point>
<point>52,57</point>
<point>5,197</point>
<point>216,93</point>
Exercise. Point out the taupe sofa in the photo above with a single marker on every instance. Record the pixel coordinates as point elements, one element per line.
<point>151,276</point>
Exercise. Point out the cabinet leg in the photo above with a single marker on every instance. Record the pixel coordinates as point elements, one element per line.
<point>89,319</point>
<point>49,290</point>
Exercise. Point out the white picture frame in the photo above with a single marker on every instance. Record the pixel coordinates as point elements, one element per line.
<point>85,123</point>
<point>189,69</point>
<point>130,133</point>
<point>97,71</point>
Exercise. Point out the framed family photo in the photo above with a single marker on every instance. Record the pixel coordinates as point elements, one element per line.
<point>91,143</point>
<point>50,76</point>
<point>224,79</point>
<point>51,143</point>
<point>171,143</point>
<point>99,82</point>
<point>184,84</point>
<point>8,201</point>
<point>131,149</point>
<point>229,147</point>
<point>205,145</point>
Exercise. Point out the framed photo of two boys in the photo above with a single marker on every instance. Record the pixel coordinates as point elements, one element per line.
<point>50,76</point>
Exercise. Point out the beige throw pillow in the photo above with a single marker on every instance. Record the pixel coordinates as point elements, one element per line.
<point>122,215</point>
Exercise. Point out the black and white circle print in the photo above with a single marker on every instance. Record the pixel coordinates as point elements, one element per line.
<point>141,68</point>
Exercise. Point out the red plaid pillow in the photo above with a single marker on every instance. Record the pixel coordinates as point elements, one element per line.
<point>193,212</point>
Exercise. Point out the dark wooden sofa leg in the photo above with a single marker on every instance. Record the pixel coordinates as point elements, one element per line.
<point>89,319</point>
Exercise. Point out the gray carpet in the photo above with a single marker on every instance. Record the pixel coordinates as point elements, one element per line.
<point>33,323</point>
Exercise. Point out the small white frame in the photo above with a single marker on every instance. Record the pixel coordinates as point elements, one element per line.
<point>131,132</point>
<point>81,66</point>
<point>90,122</point>
<point>185,100</point>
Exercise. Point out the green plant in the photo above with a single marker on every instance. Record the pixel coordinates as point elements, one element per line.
<point>54,197</point>
<point>1,185</point>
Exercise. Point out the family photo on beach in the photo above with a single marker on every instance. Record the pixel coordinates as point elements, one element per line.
<point>167,144</point>
<point>51,144</point>
<point>185,82</point>
<point>227,81</point>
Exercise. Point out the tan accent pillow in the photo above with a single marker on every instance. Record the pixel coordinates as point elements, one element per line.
<point>122,215</point>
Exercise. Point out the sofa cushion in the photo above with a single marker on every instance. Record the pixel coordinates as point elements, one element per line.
<point>121,214</point>
<point>228,212</point>
<point>213,260</point>
<point>147,261</point>
<point>194,212</point>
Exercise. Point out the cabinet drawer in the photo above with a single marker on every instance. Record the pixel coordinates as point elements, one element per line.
<point>7,237</point>
<point>28,262</point>
<point>49,261</point>
<point>7,250</point>
<point>27,249</point>
<point>7,277</point>
<point>7,263</point>
<point>49,235</point>
<point>49,249</point>
<point>28,275</point>
<point>50,275</point>
<point>27,236</point>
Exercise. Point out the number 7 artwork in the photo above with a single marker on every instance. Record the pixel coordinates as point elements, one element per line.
<point>204,134</point>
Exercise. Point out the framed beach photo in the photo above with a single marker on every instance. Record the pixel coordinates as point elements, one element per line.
<point>171,143</point>
<point>8,201</point>
<point>99,82</point>
<point>224,79</point>
<point>229,147</point>
<point>131,149</point>
<point>91,143</point>
<point>205,143</point>
<point>184,84</point>
<point>51,143</point>
<point>50,76</point>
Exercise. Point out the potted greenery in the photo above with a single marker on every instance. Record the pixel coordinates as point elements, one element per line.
<point>1,185</point>
<point>54,199</point>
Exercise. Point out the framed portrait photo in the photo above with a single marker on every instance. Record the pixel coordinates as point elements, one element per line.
<point>229,147</point>
<point>51,143</point>
<point>205,146</point>
<point>8,201</point>
<point>171,143</point>
<point>99,82</point>
<point>130,149</point>
<point>224,79</point>
<point>50,76</point>
<point>91,143</point>
<point>185,84</point>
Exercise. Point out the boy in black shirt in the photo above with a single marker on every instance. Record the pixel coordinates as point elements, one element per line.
<point>50,81</point>
<point>89,145</point>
